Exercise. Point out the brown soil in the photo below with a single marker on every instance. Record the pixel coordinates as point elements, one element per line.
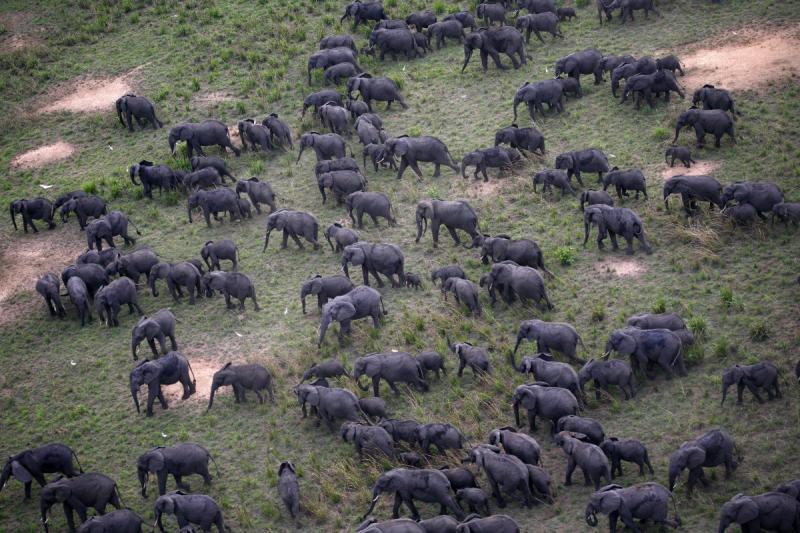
<point>204,369</point>
<point>15,42</point>
<point>87,95</point>
<point>701,168</point>
<point>623,268</point>
<point>744,59</point>
<point>43,155</point>
<point>233,132</point>
<point>19,32</point>
<point>479,188</point>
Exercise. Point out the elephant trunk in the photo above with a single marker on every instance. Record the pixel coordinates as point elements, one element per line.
<point>422,226</point>
<point>513,361</point>
<point>724,522</point>
<point>516,412</point>
<point>517,101</point>
<point>266,240</point>
<point>172,144</point>
<point>134,347</point>
<point>585,233</point>
<point>677,132</point>
<point>520,336</point>
<point>133,170</point>
<point>674,472</point>
<point>44,509</point>
<point>189,211</point>
<point>302,146</point>
<point>591,516</point>
<point>135,395</point>
<point>214,388</point>
<point>376,493</point>
<point>323,327</point>
<point>143,478</point>
<point>467,56</point>
<point>322,192</point>
<point>13,217</point>
<point>725,387</point>
<point>344,268</point>
<point>463,169</point>
<point>303,302</point>
<point>357,378</point>
<point>328,238</point>
<point>152,283</point>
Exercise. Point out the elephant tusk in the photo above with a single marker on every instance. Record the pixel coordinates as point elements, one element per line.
<point>375,499</point>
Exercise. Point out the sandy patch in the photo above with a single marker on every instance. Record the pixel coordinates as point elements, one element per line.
<point>478,188</point>
<point>87,95</point>
<point>204,369</point>
<point>233,133</point>
<point>744,59</point>
<point>212,98</point>
<point>623,268</point>
<point>43,155</point>
<point>701,168</point>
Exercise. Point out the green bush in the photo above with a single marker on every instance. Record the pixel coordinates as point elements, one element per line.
<point>759,331</point>
<point>694,355</point>
<point>660,306</point>
<point>439,7</point>
<point>566,255</point>
<point>721,348</point>
<point>90,187</point>
<point>660,133</point>
<point>697,325</point>
<point>598,312</point>
<point>581,3</point>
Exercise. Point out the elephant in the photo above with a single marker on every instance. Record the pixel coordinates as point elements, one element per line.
<point>84,207</point>
<point>293,224</point>
<point>786,212</point>
<point>325,288</point>
<point>536,6</point>
<point>138,107</point>
<point>386,259</point>
<point>368,133</point>
<point>102,258</point>
<point>413,150</point>
<point>177,274</point>
<point>180,460</point>
<point>459,478</point>
<point>520,445</point>
<point>337,41</point>
<point>545,401</point>
<point>402,430</point>
<point>426,485</point>
<point>117,521</point>
<point>610,62</point>
<point>341,71</point>
<point>571,86</point>
<point>553,373</point>
<point>361,302</point>
<point>78,494</point>
<point>528,139</point>
<point>763,196</point>
<point>154,176</point>
<point>553,178</point>
<point>341,235</point>
<point>379,155</point>
<point>451,28</point>
<point>465,292</point>
<point>444,273</point>
<point>381,89</point>
<point>627,8</point>
<point>761,375</point>
<point>394,41</point>
<point>334,117</point>
<point>792,488</point>
<point>591,197</point>
<point>624,181</point>
<point>361,12</point>
<point>453,214</point>
<point>495,157</point>
<point>590,428</point>
<point>189,509</point>
<point>167,370</point>
<point>523,252</point>
<point>413,281</point>
<point>588,160</point>
<point>214,251</point>
<point>109,299</point>
<point>550,336</point>
<point>713,448</point>
<point>357,107</point>
<point>499,523</point>
<point>669,321</point>
<point>327,57</point>
<point>566,13</point>
<point>213,202</point>
<point>326,369</point>
<point>155,327</point>
<point>649,502</point>
<point>647,84</point>
<point>199,134</point>
<point>660,346</point>
<point>106,227</point>
<point>741,214</point>
<point>713,98</point>
<point>671,63</point>
<point>492,42</point>
<point>367,439</point>
<point>333,165</point>
<point>505,473</point>
<point>536,22</point>
<point>398,525</point>
<point>330,403</point>
<point>32,209</point>
<point>289,489</point>
<point>373,406</point>
<point>200,162</point>
<point>66,197</point>
<point>375,204</point>
<point>713,121</point>
<point>94,276</point>
<point>534,95</point>
<point>682,153</point>
<point>341,183</point>
<point>242,378</point>
<point>466,19</point>
<point>476,499</point>
<point>474,357</point>
<point>514,280</point>
<point>32,464</point>
<point>49,287</point>
<point>772,511</point>
<point>320,98</point>
<point>391,367</point>
<point>133,264</point>
<point>589,457</point>
<point>230,284</point>
<point>491,13</point>
<point>421,19</point>
<point>607,372</point>
<point>79,295</point>
<point>605,7</point>
<point>613,221</point>
<point>577,63</point>
<point>279,130</point>
<point>325,145</point>
<point>631,450</point>
<point>431,361</point>
<point>692,189</point>
<point>256,134</point>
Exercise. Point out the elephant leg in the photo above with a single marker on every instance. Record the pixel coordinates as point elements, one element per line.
<point>285,242</point>
<point>398,500</point>
<point>496,492</point>
<point>152,344</point>
<point>570,469</point>
<point>258,394</point>
<point>403,165</point>
<point>454,235</point>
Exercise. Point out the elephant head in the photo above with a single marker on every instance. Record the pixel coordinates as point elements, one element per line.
<point>700,94</point>
<point>276,220</point>
<point>472,159</point>
<point>566,161</point>
<point>686,120</point>
<point>286,465</point>
<point>166,504</point>
<point>690,456</point>
<point>607,500</point>
<point>178,133</point>
<point>244,125</point>
<point>338,309</point>
<point>158,271</point>
<point>14,467</point>
<point>740,509</point>
<point>621,342</point>
<point>143,373</point>
<point>673,185</point>
<point>391,481</point>
<point>17,207</point>
<point>151,461</point>
<point>144,329</point>
<point>731,376</point>
<point>538,179</point>
<point>397,146</point>
<point>369,365</point>
<point>205,253</point>
<point>222,377</point>
<point>351,10</point>
<point>472,41</point>
<point>593,215</point>
<point>324,180</point>
<point>194,201</point>
<point>490,247</point>
<point>354,254</point>
<point>525,397</point>
<point>424,212</point>
<point>307,394</point>
<point>306,140</point>
<point>311,286</point>
<point>735,191</point>
<point>355,83</point>
<point>58,491</point>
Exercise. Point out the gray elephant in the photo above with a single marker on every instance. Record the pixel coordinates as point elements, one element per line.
<point>421,19</point>
<point>259,192</point>
<point>465,292</point>
<point>199,162</point>
<point>156,327</point>
<point>577,63</point>
<point>591,429</point>
<point>202,178</point>
<point>289,489</point>
<point>107,227</point>
<point>693,189</point>
<point>394,41</point>
<point>341,71</point>
<point>367,132</point>
<point>518,281</point>
<point>539,22</point>
<point>460,477</point>
<point>32,209</point>
<point>357,107</point>
<point>713,98</point>
<point>550,179</point>
<point>414,150</point>
<point>772,511</point>
<point>325,145</point>
<point>431,361</point>
<point>496,157</point>
<point>591,197</point>
<point>167,370</point>
<point>444,273</point>
<point>190,509</point>
<point>94,276</point>
<point>375,204</point>
<point>326,369</point>
<point>257,135</point>
<point>213,252</point>
<point>682,153</point>
<point>659,346</point>
<point>181,460</point>
<point>537,6</point>
<point>386,259</point>
<point>763,196</point>
<point>279,131</point>
<point>589,457</point>
<point>84,207</point>
<point>341,183</point>
<point>49,288</point>
<point>361,302</point>
<point>452,214</point>
<point>645,85</point>
<point>242,378</point>
<point>792,488</point>
<point>535,95</point>
<point>499,523</point>
<point>740,214</point>
<point>319,98</point>
<point>66,197</point>
<point>476,500</point>
<point>32,464</point>
<point>761,375</point>
<point>631,450</point>
<point>520,445</point>
<point>426,485</point>
<point>391,367</point>
<point>624,181</point>
<point>341,236</point>
<point>474,357</point>
<point>543,400</point>
<point>176,275</point>
<point>294,224</point>
<point>197,135</point>
<point>330,403</point>
<point>493,42</point>
<point>79,296</point>
<point>117,521</point>
<point>786,212</point>
<point>711,449</point>
<point>398,525</point>
<point>379,156</point>
<point>713,121</point>
<point>506,473</point>
<point>373,407</point>
<point>133,264</point>
<point>334,117</point>
<point>142,109</point>
<point>230,284</point>
<point>523,252</point>
<point>452,29</point>
<point>401,430</point>
<point>327,57</point>
<point>607,372</point>
<point>491,13</point>
<point>331,165</point>
<point>613,221</point>
<point>553,373</point>
<point>154,176</point>
<point>337,41</point>
<point>361,12</point>
<point>670,321</point>
<point>325,288</point>
<point>588,160</point>
<point>527,139</point>
<point>560,337</point>
<point>109,299</point>
<point>466,19</point>
<point>610,62</point>
<point>381,89</point>
<point>102,258</point>
<point>648,502</point>
<point>78,494</point>
<point>214,202</point>
<point>367,439</point>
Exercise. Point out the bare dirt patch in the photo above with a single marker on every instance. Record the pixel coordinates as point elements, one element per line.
<point>44,155</point>
<point>19,32</point>
<point>87,95</point>
<point>236,139</point>
<point>479,188</point>
<point>13,43</point>
<point>744,59</point>
<point>623,268</point>
<point>212,97</point>
<point>701,168</point>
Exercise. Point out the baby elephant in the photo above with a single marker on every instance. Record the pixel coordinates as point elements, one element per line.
<point>476,357</point>
<point>742,214</point>
<point>49,288</point>
<point>431,361</point>
<point>465,292</point>
<point>413,280</point>
<point>624,181</point>
<point>373,406</point>
<point>553,178</point>
<point>762,375</point>
<point>566,13</point>
<point>241,378</point>
<point>476,499</point>
<point>787,212</point>
<point>679,152</point>
<point>631,450</point>
<point>588,457</point>
<point>410,459</point>
<point>288,488</point>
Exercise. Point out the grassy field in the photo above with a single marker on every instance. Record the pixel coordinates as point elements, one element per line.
<point>230,59</point>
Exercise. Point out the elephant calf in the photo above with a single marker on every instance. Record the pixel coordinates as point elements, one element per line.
<point>762,375</point>
<point>624,181</point>
<point>476,500</point>
<point>49,287</point>
<point>771,511</point>
<point>156,327</point>
<point>242,378</point>
<point>607,372</point>
<point>78,494</point>
<point>214,251</point>
<point>230,284</point>
<point>631,450</point>
<point>342,236</point>
<point>167,370</point>
<point>288,488</point>
<point>177,461</point>
<point>190,509</point>
<point>476,357</point>
<point>367,438</point>
<point>589,457</point>
<point>325,288</point>
<point>465,292</point>
<point>648,502</point>
<point>787,212</point>
<point>431,361</point>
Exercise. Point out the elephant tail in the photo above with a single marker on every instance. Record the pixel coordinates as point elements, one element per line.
<point>580,340</point>
<point>383,307</point>
<point>216,466</point>
<point>675,509</point>
<point>119,495</point>
<point>80,468</point>
<point>194,379</point>
<point>134,226</point>
<point>450,156</point>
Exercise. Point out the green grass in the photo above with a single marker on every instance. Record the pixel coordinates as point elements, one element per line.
<point>736,288</point>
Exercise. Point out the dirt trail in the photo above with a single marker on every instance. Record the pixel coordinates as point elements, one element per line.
<point>701,168</point>
<point>44,155</point>
<point>623,268</point>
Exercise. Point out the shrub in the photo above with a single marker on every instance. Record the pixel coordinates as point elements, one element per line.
<point>439,7</point>
<point>195,85</point>
<point>90,187</point>
<point>171,198</point>
<point>660,306</point>
<point>566,255</point>
<point>694,355</point>
<point>759,331</point>
<point>414,131</point>
<point>598,312</point>
<point>581,3</point>
<point>240,107</point>
<point>660,133</point>
<point>697,325</point>
<point>726,295</point>
<point>721,348</point>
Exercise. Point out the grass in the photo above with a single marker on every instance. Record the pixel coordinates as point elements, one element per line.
<point>736,287</point>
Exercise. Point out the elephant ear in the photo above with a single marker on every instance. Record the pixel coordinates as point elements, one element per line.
<point>343,311</point>
<point>695,456</point>
<point>166,504</point>
<point>625,343</point>
<point>61,493</point>
<point>400,148</point>
<point>155,461</point>
<point>610,501</point>
<point>150,373</point>
<point>20,472</point>
<point>746,508</point>
<point>316,286</point>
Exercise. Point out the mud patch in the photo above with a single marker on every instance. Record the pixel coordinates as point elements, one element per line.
<point>744,59</point>
<point>43,155</point>
<point>623,268</point>
<point>87,95</point>
<point>701,168</point>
